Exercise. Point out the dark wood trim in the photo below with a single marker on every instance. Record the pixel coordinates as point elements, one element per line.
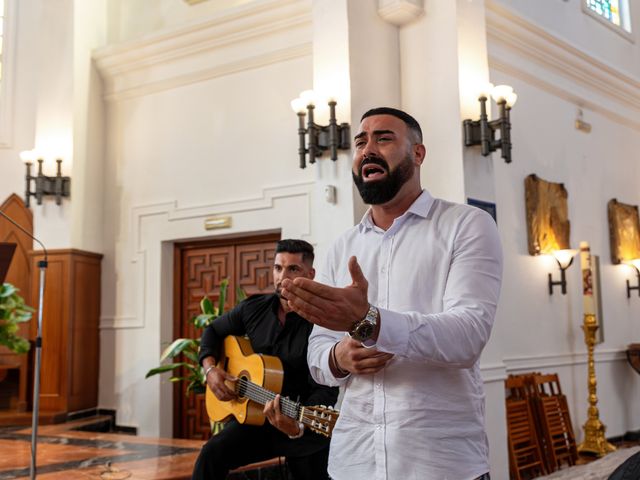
<point>227,240</point>
<point>68,251</point>
<point>177,307</point>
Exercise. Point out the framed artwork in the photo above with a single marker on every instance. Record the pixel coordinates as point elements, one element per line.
<point>624,231</point>
<point>548,226</point>
<point>488,207</point>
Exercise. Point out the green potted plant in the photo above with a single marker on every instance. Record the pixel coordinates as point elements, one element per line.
<point>13,312</point>
<point>189,346</point>
<point>193,373</point>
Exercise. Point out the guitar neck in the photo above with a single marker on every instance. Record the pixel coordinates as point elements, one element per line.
<point>258,394</point>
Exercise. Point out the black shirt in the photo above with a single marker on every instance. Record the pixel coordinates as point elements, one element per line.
<point>257,318</point>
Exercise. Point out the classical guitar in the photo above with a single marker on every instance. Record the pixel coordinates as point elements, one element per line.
<point>259,379</point>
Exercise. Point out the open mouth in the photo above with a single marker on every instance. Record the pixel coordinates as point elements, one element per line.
<point>371,172</point>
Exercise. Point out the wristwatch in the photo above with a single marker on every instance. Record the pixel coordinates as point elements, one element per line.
<point>363,330</point>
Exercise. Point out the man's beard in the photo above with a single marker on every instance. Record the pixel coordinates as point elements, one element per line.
<point>381,191</point>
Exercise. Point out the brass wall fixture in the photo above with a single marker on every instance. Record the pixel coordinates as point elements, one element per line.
<point>483,131</point>
<point>57,186</point>
<point>332,137</point>
<point>624,238</point>
<point>548,226</point>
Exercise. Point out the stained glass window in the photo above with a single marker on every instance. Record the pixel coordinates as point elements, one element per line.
<point>614,11</point>
<point>609,9</point>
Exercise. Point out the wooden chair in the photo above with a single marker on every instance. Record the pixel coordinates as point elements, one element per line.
<point>525,455</point>
<point>559,442</point>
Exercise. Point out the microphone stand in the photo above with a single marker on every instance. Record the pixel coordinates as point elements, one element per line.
<point>42,265</point>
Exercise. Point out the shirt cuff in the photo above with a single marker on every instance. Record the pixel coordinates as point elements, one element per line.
<point>393,336</point>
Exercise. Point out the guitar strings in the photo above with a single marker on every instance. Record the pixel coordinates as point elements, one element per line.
<point>261,395</point>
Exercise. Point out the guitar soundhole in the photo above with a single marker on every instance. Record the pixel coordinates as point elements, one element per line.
<point>243,382</point>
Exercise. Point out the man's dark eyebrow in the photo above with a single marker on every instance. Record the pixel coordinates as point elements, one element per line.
<point>383,132</point>
<point>375,133</point>
<point>361,134</point>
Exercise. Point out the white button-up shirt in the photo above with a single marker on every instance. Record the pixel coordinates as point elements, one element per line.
<point>435,276</point>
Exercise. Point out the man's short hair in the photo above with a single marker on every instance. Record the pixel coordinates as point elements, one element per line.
<point>411,122</point>
<point>293,245</point>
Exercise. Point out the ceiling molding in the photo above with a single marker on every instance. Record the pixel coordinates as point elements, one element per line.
<point>605,88</point>
<point>274,29</point>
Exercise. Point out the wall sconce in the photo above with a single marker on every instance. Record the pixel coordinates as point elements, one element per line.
<point>321,137</point>
<point>483,132</point>
<point>564,259</point>
<point>635,264</point>
<point>58,186</point>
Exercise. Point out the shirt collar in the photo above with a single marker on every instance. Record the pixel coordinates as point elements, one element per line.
<point>419,207</point>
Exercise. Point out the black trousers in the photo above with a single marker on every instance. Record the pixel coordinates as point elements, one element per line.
<point>238,445</point>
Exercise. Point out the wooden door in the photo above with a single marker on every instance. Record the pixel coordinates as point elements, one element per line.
<point>199,268</point>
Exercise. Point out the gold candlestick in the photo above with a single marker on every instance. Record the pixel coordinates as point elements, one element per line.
<point>594,439</point>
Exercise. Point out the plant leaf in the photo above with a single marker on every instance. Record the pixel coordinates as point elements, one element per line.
<point>177,347</point>
<point>206,306</point>
<point>224,285</point>
<point>166,368</point>
<point>203,320</point>
<point>241,295</point>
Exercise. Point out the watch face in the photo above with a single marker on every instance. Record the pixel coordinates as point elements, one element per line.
<point>364,331</point>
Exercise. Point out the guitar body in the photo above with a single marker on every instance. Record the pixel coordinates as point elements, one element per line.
<point>238,359</point>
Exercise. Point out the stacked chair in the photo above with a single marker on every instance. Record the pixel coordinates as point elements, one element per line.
<point>525,454</point>
<point>541,438</point>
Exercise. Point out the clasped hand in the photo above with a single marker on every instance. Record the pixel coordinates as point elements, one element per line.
<point>353,357</point>
<point>330,307</point>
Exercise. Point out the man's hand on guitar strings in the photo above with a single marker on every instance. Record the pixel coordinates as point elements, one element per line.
<point>222,384</point>
<point>285,424</point>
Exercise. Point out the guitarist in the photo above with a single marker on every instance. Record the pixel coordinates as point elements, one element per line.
<point>273,329</point>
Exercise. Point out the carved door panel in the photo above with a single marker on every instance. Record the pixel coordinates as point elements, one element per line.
<point>199,269</point>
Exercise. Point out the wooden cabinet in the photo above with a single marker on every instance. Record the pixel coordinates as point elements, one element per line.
<point>70,335</point>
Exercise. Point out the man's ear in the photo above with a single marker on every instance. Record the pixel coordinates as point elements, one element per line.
<point>419,153</point>
<point>312,273</point>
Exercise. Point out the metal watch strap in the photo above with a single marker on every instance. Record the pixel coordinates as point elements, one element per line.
<point>368,322</point>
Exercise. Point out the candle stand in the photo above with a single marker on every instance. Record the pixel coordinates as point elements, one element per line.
<point>594,439</point>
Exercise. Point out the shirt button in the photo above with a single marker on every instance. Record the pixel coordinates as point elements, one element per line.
<point>383,270</point>
<point>378,427</point>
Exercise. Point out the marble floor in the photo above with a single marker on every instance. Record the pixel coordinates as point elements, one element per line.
<point>66,453</point>
<point>599,469</point>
